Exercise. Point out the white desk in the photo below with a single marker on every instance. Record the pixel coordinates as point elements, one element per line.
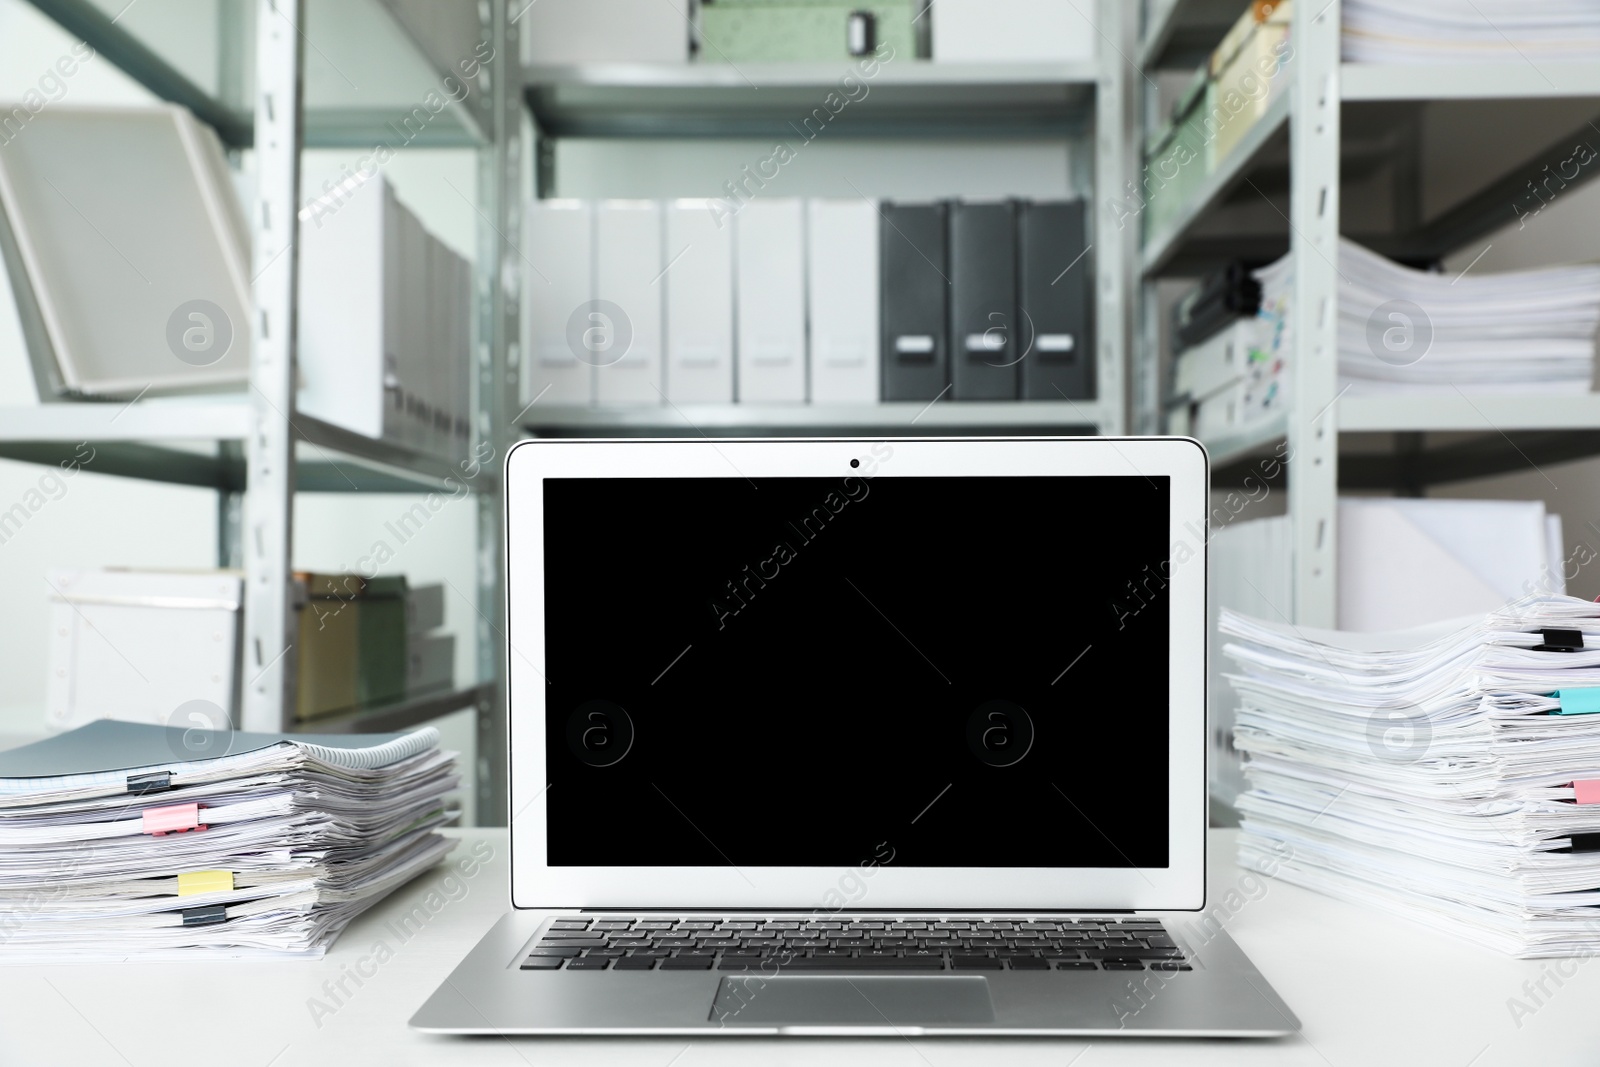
<point>1368,989</point>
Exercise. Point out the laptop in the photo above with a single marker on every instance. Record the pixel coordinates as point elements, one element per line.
<point>857,737</point>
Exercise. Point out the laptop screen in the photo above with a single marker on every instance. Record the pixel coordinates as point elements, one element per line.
<point>963,672</point>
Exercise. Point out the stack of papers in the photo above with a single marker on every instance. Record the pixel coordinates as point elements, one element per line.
<point>1412,332</point>
<point>116,841</point>
<point>1450,774</point>
<point>1470,31</point>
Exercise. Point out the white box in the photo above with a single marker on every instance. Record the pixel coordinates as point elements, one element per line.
<point>558,278</point>
<point>564,32</point>
<point>1044,31</point>
<point>424,608</point>
<point>1408,562</point>
<point>842,298</point>
<point>1215,363</point>
<point>349,304</point>
<point>141,645</point>
<point>699,281</point>
<point>628,274</point>
<point>1220,413</point>
<point>430,662</point>
<point>770,296</point>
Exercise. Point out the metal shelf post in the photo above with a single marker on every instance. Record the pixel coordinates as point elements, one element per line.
<point>269,659</point>
<point>497,385</point>
<point>1313,426</point>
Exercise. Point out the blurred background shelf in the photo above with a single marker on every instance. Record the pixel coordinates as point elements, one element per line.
<point>400,714</point>
<point>906,97</point>
<point>820,420</point>
<point>200,444</point>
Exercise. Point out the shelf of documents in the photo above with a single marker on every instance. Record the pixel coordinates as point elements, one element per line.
<point>909,417</point>
<point>1232,170</point>
<point>909,97</point>
<point>200,443</point>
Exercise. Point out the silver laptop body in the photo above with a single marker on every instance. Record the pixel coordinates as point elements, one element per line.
<point>857,737</point>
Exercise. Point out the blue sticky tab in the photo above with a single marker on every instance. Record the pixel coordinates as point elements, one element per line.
<point>1578,701</point>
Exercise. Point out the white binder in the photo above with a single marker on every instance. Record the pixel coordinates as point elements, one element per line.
<point>698,263</point>
<point>842,282</point>
<point>628,308</point>
<point>558,244</point>
<point>349,306</point>
<point>771,297</point>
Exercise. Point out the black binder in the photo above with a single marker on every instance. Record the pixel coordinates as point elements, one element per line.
<point>985,341</point>
<point>914,293</point>
<point>1055,301</point>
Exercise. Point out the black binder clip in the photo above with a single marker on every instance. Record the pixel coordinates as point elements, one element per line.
<point>208,915</point>
<point>144,784</point>
<point>1560,641</point>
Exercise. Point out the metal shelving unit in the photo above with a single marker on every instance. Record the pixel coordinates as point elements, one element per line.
<point>1343,124</point>
<point>255,449</point>
<point>908,99</point>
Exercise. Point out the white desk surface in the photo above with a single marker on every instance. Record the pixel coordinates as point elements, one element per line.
<point>1369,990</point>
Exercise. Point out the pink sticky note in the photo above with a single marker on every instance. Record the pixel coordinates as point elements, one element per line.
<point>1588,791</point>
<point>170,818</point>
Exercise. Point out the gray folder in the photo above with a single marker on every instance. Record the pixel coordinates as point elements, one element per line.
<point>914,291</point>
<point>1055,283</point>
<point>985,337</point>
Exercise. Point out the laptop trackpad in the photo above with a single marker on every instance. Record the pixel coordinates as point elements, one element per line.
<point>881,1000</point>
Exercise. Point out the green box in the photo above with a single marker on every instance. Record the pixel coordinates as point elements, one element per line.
<point>786,31</point>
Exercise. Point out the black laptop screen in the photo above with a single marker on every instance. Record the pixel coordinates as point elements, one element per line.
<point>966,672</point>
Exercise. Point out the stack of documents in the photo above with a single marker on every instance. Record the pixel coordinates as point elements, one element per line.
<point>1470,31</point>
<point>1416,333</point>
<point>123,839</point>
<point>1450,774</point>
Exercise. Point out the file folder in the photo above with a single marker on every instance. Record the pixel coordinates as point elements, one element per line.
<point>984,336</point>
<point>558,277</point>
<point>1055,285</point>
<point>698,266</point>
<point>770,300</point>
<point>349,318</point>
<point>627,278</point>
<point>915,297</point>
<point>842,299</point>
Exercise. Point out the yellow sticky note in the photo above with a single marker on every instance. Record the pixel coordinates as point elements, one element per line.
<point>195,882</point>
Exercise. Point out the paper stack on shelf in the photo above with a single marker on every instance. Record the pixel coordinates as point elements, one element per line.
<point>1470,31</point>
<point>1416,333</point>
<point>1449,774</point>
<point>122,839</point>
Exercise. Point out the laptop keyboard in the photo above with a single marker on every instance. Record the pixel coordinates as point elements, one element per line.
<point>667,943</point>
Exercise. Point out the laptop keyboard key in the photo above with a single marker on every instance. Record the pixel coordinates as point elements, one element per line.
<point>1122,965</point>
<point>686,963</point>
<point>862,963</point>
<point>1029,963</point>
<point>541,963</point>
<point>1068,965</point>
<point>562,953</point>
<point>634,963</point>
<point>588,963</point>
